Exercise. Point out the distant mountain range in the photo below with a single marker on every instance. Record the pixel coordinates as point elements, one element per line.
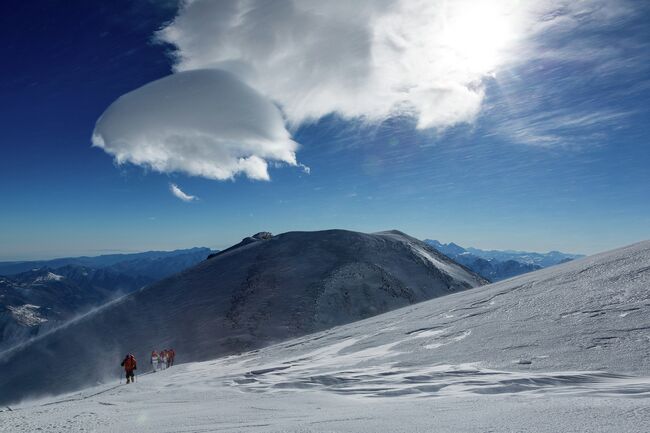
<point>154,264</point>
<point>498,265</point>
<point>37,296</point>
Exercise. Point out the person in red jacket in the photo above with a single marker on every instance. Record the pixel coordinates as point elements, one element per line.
<point>172,354</point>
<point>130,365</point>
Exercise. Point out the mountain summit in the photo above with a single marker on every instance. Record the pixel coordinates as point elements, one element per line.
<point>265,289</point>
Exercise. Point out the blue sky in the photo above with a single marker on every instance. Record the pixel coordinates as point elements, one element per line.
<point>554,155</point>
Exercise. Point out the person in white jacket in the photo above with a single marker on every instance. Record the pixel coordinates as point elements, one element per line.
<point>162,360</point>
<point>154,361</point>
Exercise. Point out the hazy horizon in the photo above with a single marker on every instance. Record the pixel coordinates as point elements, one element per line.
<point>223,245</point>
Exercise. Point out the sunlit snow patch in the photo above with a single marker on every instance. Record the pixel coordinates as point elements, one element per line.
<point>27,315</point>
<point>50,276</point>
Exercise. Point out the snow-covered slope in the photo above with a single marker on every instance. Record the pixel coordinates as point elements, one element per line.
<point>266,289</point>
<point>561,349</point>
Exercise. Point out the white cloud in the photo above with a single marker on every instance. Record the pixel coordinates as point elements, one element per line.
<point>372,59</point>
<point>204,123</point>
<point>366,59</point>
<point>180,194</point>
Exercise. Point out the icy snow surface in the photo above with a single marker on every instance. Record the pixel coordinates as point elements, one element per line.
<point>565,349</point>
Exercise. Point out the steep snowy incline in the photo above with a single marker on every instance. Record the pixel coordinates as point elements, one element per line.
<point>267,289</point>
<point>561,349</point>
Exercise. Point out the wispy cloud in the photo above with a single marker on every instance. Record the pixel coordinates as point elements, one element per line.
<point>575,82</point>
<point>180,194</point>
<point>562,127</point>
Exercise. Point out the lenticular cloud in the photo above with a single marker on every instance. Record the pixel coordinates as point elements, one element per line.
<point>203,122</point>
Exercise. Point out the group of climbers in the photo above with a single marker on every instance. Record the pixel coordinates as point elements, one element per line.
<point>159,361</point>
<point>162,360</point>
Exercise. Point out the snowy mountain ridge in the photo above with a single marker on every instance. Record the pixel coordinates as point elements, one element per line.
<point>525,257</point>
<point>496,265</point>
<point>262,291</point>
<point>50,276</point>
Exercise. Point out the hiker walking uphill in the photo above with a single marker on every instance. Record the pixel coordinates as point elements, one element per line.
<point>163,360</point>
<point>154,361</point>
<point>130,365</point>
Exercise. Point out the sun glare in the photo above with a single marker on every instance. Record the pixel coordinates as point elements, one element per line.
<point>479,34</point>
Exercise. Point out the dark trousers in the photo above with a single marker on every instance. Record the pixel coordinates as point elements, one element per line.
<point>129,375</point>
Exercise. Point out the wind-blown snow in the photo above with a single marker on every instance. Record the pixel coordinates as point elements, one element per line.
<point>549,351</point>
<point>451,270</point>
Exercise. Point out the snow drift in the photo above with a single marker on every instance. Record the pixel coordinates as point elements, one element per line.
<point>264,290</point>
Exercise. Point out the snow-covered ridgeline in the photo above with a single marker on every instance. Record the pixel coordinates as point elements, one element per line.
<point>264,290</point>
